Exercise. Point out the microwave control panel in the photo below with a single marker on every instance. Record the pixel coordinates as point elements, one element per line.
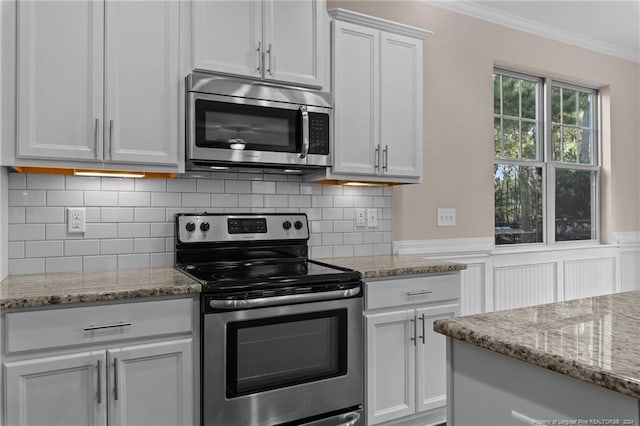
<point>318,133</point>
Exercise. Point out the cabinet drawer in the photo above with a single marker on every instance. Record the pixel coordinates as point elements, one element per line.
<point>50,328</point>
<point>408,291</point>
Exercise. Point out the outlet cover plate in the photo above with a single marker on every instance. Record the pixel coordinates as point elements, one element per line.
<point>372,218</point>
<point>76,220</point>
<point>446,217</point>
<point>361,218</point>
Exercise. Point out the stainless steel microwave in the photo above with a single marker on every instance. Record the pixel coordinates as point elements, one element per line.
<point>234,122</point>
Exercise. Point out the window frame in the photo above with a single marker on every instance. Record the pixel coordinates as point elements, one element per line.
<point>545,161</point>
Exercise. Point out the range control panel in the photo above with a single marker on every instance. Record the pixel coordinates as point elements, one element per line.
<point>200,228</point>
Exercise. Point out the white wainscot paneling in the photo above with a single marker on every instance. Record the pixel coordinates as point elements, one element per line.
<point>630,269</point>
<point>589,277</point>
<point>472,292</point>
<point>524,285</point>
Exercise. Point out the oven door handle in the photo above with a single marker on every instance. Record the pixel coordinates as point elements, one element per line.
<point>282,300</point>
<point>305,131</point>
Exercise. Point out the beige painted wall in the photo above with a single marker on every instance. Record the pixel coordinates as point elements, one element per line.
<point>458,110</point>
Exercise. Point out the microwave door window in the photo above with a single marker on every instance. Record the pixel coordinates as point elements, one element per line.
<point>245,127</point>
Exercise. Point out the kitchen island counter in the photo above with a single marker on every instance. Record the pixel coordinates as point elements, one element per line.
<point>23,291</point>
<point>381,266</point>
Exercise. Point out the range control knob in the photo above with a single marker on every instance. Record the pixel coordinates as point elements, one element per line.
<point>204,226</point>
<point>191,226</point>
<point>286,225</point>
<point>298,225</point>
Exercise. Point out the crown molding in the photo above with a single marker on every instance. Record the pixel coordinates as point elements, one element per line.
<point>467,7</point>
<point>379,23</point>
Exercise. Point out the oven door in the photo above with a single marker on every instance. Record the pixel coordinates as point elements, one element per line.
<point>229,129</point>
<point>281,364</point>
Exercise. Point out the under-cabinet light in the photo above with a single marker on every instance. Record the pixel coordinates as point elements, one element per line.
<point>107,174</point>
<point>93,172</point>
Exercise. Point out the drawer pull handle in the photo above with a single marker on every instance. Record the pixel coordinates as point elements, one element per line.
<point>100,327</point>
<point>418,293</point>
<point>423,331</point>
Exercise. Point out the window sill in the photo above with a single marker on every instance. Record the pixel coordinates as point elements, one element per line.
<point>537,248</point>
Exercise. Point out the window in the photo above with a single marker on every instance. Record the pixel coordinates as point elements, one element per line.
<point>546,172</point>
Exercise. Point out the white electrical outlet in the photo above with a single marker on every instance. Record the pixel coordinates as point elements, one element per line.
<point>446,217</point>
<point>76,220</point>
<point>361,218</point>
<point>372,218</point>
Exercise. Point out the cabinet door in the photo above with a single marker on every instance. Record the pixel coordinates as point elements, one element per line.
<point>227,36</point>
<point>401,105</point>
<point>390,354</point>
<point>59,96</point>
<point>432,357</point>
<point>152,384</point>
<point>356,98</point>
<point>65,390</point>
<point>294,42</point>
<point>142,87</point>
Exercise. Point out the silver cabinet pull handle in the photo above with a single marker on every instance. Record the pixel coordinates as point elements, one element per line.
<point>110,137</point>
<point>115,378</point>
<point>99,383</point>
<point>385,156</point>
<point>417,293</point>
<point>269,53</point>
<point>259,51</point>
<point>377,157</point>
<point>100,327</point>
<point>305,131</point>
<point>414,339</point>
<point>95,136</point>
<point>423,333</point>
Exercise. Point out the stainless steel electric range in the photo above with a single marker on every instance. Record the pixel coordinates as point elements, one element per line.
<point>282,340</point>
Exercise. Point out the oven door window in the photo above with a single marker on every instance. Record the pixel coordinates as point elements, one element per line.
<point>247,127</point>
<point>276,352</point>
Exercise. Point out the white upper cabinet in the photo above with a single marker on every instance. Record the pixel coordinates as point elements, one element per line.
<point>142,80</point>
<point>60,86</point>
<point>103,92</point>
<point>285,41</point>
<point>377,85</point>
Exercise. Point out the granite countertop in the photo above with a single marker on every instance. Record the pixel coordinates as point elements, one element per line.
<point>23,291</point>
<point>394,265</point>
<point>595,340</point>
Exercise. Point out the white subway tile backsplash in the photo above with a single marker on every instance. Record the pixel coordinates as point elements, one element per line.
<point>16,214</point>
<point>117,184</point>
<point>148,245</point>
<point>130,222</point>
<point>45,181</point>
<point>65,198</point>
<point>82,183</point>
<point>63,264</point>
<point>26,266</point>
<point>133,261</point>
<point>24,197</point>
<point>116,214</point>
<point>116,246</point>
<point>81,247</point>
<point>134,230</point>
<point>99,263</point>
<point>21,232</point>
<point>43,248</point>
<point>151,214</point>
<point>100,198</point>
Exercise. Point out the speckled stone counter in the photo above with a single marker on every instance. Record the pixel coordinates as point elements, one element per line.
<point>595,340</point>
<point>393,265</point>
<point>22,291</point>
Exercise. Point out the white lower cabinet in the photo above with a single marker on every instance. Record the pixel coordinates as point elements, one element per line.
<point>405,358</point>
<point>117,382</point>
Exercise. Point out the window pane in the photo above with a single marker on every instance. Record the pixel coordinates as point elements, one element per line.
<point>518,204</point>
<point>556,138</point>
<point>569,105</point>
<point>584,109</point>
<point>497,137</point>
<point>510,96</point>
<point>570,140</point>
<point>528,99</point>
<point>496,94</point>
<point>528,140</point>
<point>511,138</point>
<point>584,149</point>
<point>556,111</point>
<point>574,219</point>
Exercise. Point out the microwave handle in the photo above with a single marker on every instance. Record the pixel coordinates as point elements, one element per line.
<point>305,131</point>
